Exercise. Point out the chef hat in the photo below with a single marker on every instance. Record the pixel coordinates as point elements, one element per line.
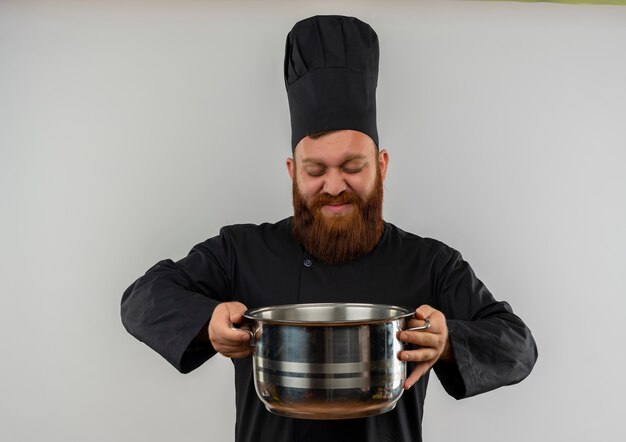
<point>331,72</point>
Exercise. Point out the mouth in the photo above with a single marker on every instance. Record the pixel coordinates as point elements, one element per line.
<point>337,209</point>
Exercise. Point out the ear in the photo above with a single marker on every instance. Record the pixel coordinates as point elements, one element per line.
<point>291,166</point>
<point>383,162</point>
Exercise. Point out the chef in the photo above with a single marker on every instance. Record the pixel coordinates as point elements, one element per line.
<point>335,248</point>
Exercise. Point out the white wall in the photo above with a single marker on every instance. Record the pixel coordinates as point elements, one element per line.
<point>130,131</point>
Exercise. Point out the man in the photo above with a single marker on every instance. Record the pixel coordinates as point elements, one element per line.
<point>336,248</point>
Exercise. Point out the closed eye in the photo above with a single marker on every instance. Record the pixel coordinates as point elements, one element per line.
<point>353,169</point>
<point>315,172</point>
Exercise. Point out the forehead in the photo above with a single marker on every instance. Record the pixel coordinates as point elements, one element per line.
<point>336,147</point>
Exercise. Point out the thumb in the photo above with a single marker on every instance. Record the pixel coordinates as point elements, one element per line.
<point>424,311</point>
<point>236,311</point>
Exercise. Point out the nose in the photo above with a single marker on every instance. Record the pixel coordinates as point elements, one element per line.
<point>334,183</point>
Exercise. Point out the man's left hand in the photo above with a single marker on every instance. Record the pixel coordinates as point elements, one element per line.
<point>431,344</point>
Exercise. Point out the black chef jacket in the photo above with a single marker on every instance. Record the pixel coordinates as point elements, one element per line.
<point>263,265</point>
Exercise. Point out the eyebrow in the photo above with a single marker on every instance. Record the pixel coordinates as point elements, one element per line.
<point>346,159</point>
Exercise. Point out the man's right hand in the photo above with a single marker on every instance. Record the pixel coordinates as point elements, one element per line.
<point>228,342</point>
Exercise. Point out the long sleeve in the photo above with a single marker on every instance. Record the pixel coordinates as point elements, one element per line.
<point>491,345</point>
<point>168,306</point>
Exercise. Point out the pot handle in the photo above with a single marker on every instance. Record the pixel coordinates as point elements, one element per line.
<point>426,326</point>
<point>252,333</point>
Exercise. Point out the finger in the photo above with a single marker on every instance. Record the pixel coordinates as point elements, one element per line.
<point>228,336</point>
<point>419,355</point>
<point>229,312</point>
<point>231,343</point>
<point>232,348</point>
<point>416,374</point>
<point>424,311</point>
<point>225,347</point>
<point>236,311</point>
<point>237,354</point>
<point>420,338</point>
<point>222,331</point>
<point>236,317</point>
<point>437,320</point>
<point>228,350</point>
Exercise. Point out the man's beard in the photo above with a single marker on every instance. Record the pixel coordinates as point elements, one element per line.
<point>337,239</point>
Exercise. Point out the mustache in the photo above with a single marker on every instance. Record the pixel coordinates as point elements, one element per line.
<point>345,197</point>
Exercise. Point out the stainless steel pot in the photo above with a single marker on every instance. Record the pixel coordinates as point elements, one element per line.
<point>328,361</point>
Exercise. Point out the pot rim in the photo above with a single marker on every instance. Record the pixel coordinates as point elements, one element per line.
<point>405,312</point>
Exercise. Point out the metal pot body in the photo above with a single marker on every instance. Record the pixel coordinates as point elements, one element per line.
<point>328,361</point>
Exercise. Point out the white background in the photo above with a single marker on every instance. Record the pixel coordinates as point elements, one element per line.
<point>130,131</point>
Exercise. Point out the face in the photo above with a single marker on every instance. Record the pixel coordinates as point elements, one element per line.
<point>337,195</point>
<point>340,161</point>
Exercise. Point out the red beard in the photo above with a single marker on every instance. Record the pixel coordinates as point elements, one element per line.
<point>343,238</point>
